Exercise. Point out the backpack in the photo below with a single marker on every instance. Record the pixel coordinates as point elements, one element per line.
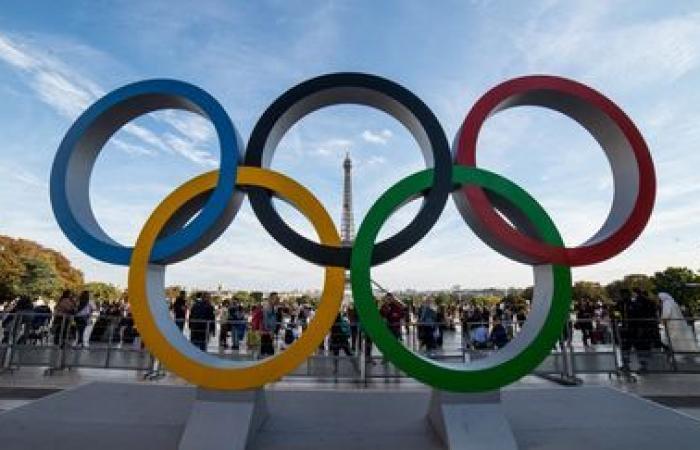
<point>288,336</point>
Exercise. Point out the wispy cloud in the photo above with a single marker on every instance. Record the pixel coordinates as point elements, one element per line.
<point>331,147</point>
<point>379,137</point>
<point>589,42</point>
<point>69,94</point>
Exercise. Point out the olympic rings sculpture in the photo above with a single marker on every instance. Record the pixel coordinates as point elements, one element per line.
<point>502,214</point>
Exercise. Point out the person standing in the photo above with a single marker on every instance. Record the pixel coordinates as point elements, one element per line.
<point>201,321</point>
<point>236,317</point>
<point>392,312</point>
<point>584,320</point>
<point>82,316</point>
<point>16,322</point>
<point>354,328</point>
<point>63,313</point>
<point>428,323</point>
<point>269,326</point>
<point>340,336</point>
<point>180,309</point>
<point>638,316</point>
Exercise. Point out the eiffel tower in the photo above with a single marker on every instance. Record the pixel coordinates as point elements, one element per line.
<point>347,221</point>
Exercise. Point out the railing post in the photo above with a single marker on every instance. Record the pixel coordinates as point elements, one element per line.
<point>110,339</point>
<point>7,360</point>
<point>674,365</point>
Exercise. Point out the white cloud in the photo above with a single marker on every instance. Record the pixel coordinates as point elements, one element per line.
<point>69,94</point>
<point>588,41</point>
<point>132,149</point>
<point>13,55</point>
<point>380,137</point>
<point>332,147</point>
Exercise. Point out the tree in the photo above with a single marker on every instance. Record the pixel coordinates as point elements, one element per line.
<point>515,300</point>
<point>675,281</point>
<point>39,279</point>
<point>11,271</point>
<point>172,292</point>
<point>590,290</point>
<point>643,282</point>
<point>24,261</point>
<point>102,291</point>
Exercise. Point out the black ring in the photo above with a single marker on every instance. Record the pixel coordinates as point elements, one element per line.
<point>362,89</point>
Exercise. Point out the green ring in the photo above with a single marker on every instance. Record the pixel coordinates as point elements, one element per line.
<point>430,372</point>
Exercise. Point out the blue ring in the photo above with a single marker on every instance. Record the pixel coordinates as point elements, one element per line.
<point>76,156</point>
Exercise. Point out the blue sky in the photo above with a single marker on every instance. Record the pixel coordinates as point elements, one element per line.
<point>57,58</point>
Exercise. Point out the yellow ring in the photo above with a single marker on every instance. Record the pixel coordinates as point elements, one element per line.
<point>195,369</point>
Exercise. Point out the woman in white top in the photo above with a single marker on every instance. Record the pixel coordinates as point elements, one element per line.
<point>679,333</point>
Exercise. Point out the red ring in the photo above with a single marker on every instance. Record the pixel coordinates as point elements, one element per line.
<point>519,243</point>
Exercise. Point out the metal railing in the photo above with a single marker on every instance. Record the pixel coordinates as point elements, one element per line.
<point>587,346</point>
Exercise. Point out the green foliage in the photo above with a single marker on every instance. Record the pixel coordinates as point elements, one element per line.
<point>643,282</point>
<point>675,281</point>
<point>27,267</point>
<point>486,300</point>
<point>39,279</point>
<point>590,290</point>
<point>102,292</point>
<point>515,300</point>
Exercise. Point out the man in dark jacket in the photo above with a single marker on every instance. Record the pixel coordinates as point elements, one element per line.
<point>201,321</point>
<point>639,327</point>
<point>180,309</point>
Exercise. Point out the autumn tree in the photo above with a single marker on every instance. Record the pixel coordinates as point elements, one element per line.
<point>27,267</point>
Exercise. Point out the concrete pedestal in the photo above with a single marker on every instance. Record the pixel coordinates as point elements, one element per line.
<point>112,416</point>
<point>470,421</point>
<point>223,420</point>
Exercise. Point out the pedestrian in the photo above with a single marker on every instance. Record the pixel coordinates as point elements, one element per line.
<point>16,323</point>
<point>354,328</point>
<point>269,325</point>
<point>392,312</point>
<point>63,314</point>
<point>499,334</point>
<point>638,320</point>
<point>201,321</point>
<point>84,310</point>
<point>224,324</point>
<point>584,320</point>
<point>180,309</point>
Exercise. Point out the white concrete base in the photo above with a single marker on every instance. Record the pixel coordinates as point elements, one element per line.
<point>113,416</point>
<point>224,420</point>
<point>470,421</point>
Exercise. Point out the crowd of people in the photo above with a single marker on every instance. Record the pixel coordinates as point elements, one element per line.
<point>71,320</point>
<point>271,325</point>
